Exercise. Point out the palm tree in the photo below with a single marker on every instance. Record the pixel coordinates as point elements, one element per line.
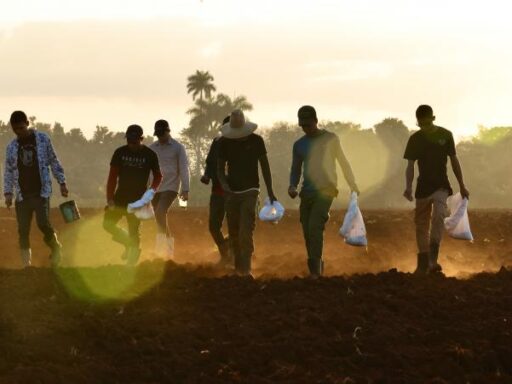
<point>201,84</point>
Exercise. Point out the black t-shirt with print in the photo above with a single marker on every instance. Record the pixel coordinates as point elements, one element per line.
<point>431,150</point>
<point>134,170</point>
<point>242,156</point>
<point>28,167</point>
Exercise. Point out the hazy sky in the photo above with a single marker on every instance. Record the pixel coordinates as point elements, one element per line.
<point>115,63</point>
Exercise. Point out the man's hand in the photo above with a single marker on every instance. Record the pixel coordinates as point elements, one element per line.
<point>464,192</point>
<point>272,197</point>
<point>226,189</point>
<point>355,189</point>
<point>64,190</point>
<point>184,196</point>
<point>205,180</point>
<point>111,204</point>
<point>8,200</point>
<point>408,194</point>
<point>292,192</point>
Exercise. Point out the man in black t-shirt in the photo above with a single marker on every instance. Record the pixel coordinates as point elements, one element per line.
<point>130,168</point>
<point>217,211</point>
<point>241,151</point>
<point>430,146</point>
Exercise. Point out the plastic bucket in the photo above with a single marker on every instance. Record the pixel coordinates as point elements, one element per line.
<point>69,211</point>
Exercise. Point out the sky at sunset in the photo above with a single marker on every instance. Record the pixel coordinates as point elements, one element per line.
<point>114,63</point>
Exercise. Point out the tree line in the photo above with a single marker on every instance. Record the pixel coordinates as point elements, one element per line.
<point>375,153</point>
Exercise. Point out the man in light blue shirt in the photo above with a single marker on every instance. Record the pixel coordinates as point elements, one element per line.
<point>314,157</point>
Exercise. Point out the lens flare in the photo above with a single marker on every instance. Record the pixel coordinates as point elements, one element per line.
<point>93,268</point>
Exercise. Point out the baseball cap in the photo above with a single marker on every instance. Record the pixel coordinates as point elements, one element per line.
<point>161,126</point>
<point>134,132</point>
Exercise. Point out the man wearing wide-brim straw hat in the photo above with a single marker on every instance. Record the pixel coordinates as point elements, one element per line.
<point>242,151</point>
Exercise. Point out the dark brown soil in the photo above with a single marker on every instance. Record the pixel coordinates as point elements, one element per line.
<point>168,323</point>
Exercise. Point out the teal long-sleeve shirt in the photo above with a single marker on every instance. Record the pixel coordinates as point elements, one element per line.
<point>314,158</point>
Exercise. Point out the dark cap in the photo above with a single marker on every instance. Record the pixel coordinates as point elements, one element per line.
<point>134,132</point>
<point>226,120</point>
<point>161,126</point>
<point>306,112</point>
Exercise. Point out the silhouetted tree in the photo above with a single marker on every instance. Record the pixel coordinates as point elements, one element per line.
<point>200,84</point>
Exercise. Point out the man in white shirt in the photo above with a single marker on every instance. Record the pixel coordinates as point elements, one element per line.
<point>174,166</point>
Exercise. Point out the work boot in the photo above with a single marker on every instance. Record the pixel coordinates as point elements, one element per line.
<point>56,255</point>
<point>132,255</point>
<point>423,263</point>
<point>170,247</point>
<point>56,250</point>
<point>316,267</point>
<point>26,257</point>
<point>161,245</point>
<point>433,265</point>
<point>243,265</point>
<point>225,254</point>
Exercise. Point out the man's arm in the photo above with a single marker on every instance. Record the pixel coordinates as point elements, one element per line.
<point>57,169</point>
<point>457,170</point>
<point>184,174</point>
<point>295,173</point>
<point>211,166</point>
<point>221,174</point>
<point>267,176</point>
<point>345,167</point>
<point>8,180</point>
<point>409,178</point>
<point>112,184</point>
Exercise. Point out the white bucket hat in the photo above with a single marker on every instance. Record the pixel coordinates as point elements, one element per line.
<point>230,132</point>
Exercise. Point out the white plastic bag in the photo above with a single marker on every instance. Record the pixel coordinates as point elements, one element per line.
<point>457,224</point>
<point>271,212</point>
<point>353,228</point>
<point>142,208</point>
<point>146,212</point>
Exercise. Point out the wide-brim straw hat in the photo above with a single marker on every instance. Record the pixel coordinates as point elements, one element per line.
<point>229,132</point>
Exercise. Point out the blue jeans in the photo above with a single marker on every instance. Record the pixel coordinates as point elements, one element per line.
<point>25,210</point>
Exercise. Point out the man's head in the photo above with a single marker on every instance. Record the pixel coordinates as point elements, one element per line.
<point>162,130</point>
<point>308,120</point>
<point>237,119</point>
<point>19,123</point>
<point>134,136</point>
<point>425,116</point>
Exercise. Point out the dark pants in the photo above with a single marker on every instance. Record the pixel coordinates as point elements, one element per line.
<point>112,217</point>
<point>241,213</point>
<point>216,218</point>
<point>24,212</point>
<point>161,204</point>
<point>314,214</point>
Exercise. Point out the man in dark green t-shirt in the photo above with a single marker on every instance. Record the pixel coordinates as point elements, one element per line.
<point>430,147</point>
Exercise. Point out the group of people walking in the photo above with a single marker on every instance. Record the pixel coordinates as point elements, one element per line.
<point>232,167</point>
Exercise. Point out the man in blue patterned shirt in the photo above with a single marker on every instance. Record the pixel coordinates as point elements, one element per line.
<point>27,180</point>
